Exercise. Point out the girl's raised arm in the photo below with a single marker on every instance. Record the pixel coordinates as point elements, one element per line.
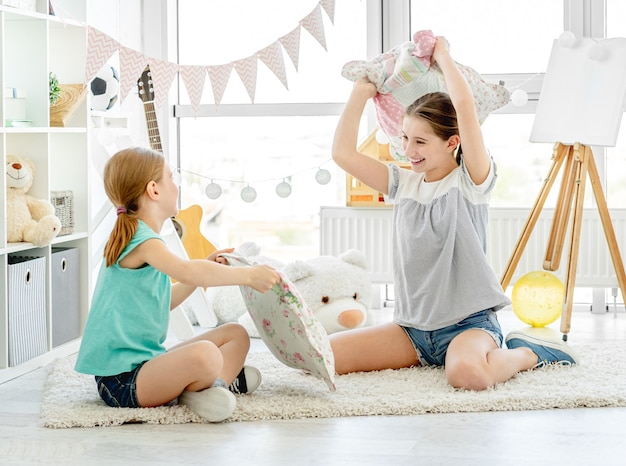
<point>475,155</point>
<point>367,170</point>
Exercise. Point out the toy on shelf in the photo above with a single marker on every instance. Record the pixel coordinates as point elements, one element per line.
<point>28,218</point>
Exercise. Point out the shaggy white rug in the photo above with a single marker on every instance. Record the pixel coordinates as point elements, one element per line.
<point>71,400</point>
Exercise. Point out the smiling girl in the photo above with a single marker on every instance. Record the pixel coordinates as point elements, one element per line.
<point>446,293</point>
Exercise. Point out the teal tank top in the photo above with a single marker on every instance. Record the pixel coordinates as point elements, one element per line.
<point>129,315</point>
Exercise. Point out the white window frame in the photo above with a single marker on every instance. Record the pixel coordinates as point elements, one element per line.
<point>388,25</point>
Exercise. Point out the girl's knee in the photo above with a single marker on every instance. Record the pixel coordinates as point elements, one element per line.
<point>468,375</point>
<point>238,333</point>
<point>205,353</point>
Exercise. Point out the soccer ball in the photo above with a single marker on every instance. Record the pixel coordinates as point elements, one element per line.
<point>104,88</point>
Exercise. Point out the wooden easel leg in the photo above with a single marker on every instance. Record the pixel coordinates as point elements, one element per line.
<point>607,225</point>
<point>558,156</point>
<point>582,155</point>
<point>554,248</point>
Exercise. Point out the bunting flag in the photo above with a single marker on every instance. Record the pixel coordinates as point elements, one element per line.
<point>329,8</point>
<point>314,24</point>
<point>291,44</point>
<point>163,73</point>
<point>101,47</point>
<point>194,78</point>
<point>246,69</point>
<point>272,56</point>
<point>219,76</point>
<point>132,64</point>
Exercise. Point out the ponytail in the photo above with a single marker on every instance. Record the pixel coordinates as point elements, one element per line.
<point>126,176</point>
<point>123,231</point>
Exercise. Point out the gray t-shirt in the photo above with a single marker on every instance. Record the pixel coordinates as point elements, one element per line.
<point>441,272</point>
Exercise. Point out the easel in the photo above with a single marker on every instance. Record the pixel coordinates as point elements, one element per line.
<point>579,163</point>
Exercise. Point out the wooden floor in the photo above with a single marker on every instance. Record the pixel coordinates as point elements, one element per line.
<point>550,437</point>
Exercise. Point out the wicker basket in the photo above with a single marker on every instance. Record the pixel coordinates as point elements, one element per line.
<point>63,202</point>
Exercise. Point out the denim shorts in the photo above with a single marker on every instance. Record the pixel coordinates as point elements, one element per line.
<point>432,346</point>
<point>120,391</point>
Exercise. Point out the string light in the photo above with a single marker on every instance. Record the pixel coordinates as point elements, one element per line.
<point>381,137</point>
<point>597,52</point>
<point>322,176</point>
<point>567,39</point>
<point>283,189</point>
<point>248,194</point>
<point>213,190</point>
<point>519,97</point>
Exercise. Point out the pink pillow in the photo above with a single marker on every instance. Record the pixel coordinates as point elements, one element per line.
<point>404,74</point>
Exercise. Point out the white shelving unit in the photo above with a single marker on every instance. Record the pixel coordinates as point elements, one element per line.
<point>32,44</point>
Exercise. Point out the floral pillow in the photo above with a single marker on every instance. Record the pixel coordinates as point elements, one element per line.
<point>404,74</point>
<point>288,327</point>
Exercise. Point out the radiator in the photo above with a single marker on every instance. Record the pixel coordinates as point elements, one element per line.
<point>369,230</point>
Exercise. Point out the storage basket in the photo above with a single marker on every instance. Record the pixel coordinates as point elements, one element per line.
<point>27,326</point>
<point>63,202</point>
<point>65,294</point>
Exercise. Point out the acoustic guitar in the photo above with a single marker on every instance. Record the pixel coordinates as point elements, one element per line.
<point>188,221</point>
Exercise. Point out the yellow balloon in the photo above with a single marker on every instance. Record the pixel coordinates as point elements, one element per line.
<point>537,298</point>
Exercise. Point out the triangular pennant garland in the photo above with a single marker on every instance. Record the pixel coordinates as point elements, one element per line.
<point>132,64</point>
<point>194,78</point>
<point>163,73</point>
<point>219,76</point>
<point>291,44</point>
<point>246,69</point>
<point>314,23</point>
<point>272,56</point>
<point>100,47</point>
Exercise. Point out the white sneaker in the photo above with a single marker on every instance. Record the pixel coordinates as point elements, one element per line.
<point>247,381</point>
<point>215,404</point>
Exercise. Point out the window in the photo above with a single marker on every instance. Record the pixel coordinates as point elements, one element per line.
<point>291,130</point>
<point>492,36</point>
<point>616,156</point>
<point>285,136</point>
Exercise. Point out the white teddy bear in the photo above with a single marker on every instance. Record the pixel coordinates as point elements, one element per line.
<point>28,218</point>
<point>337,289</point>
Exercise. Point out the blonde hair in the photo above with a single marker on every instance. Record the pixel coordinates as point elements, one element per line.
<point>126,175</point>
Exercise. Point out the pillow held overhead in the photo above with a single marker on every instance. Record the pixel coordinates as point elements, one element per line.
<point>405,73</point>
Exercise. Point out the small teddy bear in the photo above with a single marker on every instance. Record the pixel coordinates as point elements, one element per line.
<point>28,218</point>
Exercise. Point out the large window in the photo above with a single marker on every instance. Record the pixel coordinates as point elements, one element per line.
<point>286,134</point>
<point>492,36</point>
<point>284,137</point>
<point>616,156</point>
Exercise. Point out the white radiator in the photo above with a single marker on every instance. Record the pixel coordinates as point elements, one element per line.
<point>369,230</point>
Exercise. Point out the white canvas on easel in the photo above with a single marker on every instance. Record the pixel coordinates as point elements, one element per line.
<point>581,104</point>
<point>583,93</point>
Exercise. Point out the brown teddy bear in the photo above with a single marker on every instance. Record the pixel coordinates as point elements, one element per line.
<point>28,218</point>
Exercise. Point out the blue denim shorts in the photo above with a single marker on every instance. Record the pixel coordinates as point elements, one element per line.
<point>120,391</point>
<point>432,346</point>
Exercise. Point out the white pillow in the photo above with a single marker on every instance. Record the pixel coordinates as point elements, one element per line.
<point>288,327</point>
